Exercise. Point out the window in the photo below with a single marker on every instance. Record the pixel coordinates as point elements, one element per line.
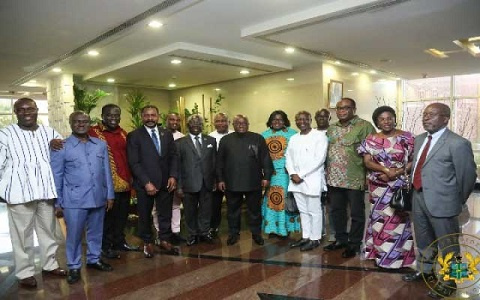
<point>7,116</point>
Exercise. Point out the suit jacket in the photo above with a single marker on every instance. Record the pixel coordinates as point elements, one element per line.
<point>82,174</point>
<point>146,164</point>
<point>196,170</point>
<point>448,174</point>
<point>243,160</point>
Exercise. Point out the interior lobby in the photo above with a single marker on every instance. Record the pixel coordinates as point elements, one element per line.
<point>246,57</point>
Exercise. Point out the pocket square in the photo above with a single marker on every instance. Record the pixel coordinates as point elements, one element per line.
<point>209,146</point>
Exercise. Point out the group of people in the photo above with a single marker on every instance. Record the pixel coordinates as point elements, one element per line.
<point>88,177</point>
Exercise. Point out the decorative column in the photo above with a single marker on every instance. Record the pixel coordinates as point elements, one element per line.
<point>60,102</point>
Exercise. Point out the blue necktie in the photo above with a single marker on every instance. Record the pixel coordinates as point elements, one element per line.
<point>155,140</point>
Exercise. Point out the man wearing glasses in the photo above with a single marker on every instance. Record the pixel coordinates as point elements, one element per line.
<point>346,177</point>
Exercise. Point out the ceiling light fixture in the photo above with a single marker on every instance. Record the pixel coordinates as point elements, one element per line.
<point>111,80</point>
<point>57,70</point>
<point>337,62</point>
<point>436,53</point>
<point>172,85</point>
<point>155,24</point>
<point>469,45</point>
<point>290,50</point>
<point>32,81</point>
<point>355,74</point>
<point>373,72</point>
<point>349,90</point>
<point>176,61</point>
<point>290,79</point>
<point>217,89</point>
<point>244,72</point>
<point>398,78</point>
<point>93,53</point>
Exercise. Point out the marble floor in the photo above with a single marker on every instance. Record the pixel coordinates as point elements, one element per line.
<point>241,271</point>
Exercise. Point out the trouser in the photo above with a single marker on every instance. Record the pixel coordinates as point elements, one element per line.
<point>340,198</point>
<point>254,207</point>
<point>217,198</point>
<point>163,203</point>
<point>176,215</point>
<point>311,215</point>
<point>22,220</point>
<point>79,220</point>
<point>115,222</point>
<point>198,209</point>
<point>432,233</point>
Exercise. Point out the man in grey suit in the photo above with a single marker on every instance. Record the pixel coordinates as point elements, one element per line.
<point>196,180</point>
<point>444,176</point>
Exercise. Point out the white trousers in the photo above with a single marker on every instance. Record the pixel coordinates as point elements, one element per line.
<point>22,220</point>
<point>311,215</point>
<point>176,215</point>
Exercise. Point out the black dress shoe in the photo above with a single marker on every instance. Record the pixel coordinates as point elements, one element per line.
<point>73,276</point>
<point>258,239</point>
<point>207,238</point>
<point>29,282</point>
<point>192,240</point>
<point>334,246</point>
<point>148,250</point>
<point>168,248</point>
<point>442,290</point>
<point>312,244</point>
<point>101,266</point>
<point>127,247</point>
<point>299,243</point>
<point>419,276</point>
<point>350,252</point>
<point>232,239</point>
<point>112,254</point>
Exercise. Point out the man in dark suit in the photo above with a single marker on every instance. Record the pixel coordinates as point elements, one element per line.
<point>154,164</point>
<point>196,180</point>
<point>444,176</point>
<point>244,167</point>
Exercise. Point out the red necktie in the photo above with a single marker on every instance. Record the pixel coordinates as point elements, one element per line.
<point>417,176</point>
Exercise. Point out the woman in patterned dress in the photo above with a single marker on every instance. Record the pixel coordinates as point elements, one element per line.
<point>277,221</point>
<point>388,155</point>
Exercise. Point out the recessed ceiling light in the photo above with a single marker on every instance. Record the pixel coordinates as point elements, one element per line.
<point>290,79</point>
<point>176,61</point>
<point>355,74</point>
<point>57,70</point>
<point>217,89</point>
<point>337,62</point>
<point>172,85</point>
<point>398,78</point>
<point>244,72</point>
<point>111,80</point>
<point>349,90</point>
<point>93,53</point>
<point>289,49</point>
<point>155,24</point>
<point>373,72</point>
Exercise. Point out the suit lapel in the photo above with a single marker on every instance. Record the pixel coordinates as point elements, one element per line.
<point>418,141</point>
<point>439,144</point>
<point>190,144</point>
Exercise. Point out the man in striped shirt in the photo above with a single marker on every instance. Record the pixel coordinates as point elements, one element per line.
<point>28,188</point>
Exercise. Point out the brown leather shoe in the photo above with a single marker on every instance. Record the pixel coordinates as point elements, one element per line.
<point>168,248</point>
<point>56,272</point>
<point>29,282</point>
<point>148,250</point>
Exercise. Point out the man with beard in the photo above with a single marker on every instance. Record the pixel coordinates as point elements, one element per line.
<point>244,167</point>
<point>27,185</point>
<point>109,131</point>
<point>154,164</point>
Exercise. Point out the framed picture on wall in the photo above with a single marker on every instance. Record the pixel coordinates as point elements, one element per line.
<point>335,92</point>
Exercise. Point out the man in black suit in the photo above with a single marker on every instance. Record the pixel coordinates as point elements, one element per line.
<point>244,167</point>
<point>154,163</point>
<point>196,180</point>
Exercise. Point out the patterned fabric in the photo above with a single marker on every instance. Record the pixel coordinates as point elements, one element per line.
<point>117,152</point>
<point>345,168</point>
<point>388,238</point>
<point>275,219</point>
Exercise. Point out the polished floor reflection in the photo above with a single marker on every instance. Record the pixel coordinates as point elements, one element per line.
<point>218,271</point>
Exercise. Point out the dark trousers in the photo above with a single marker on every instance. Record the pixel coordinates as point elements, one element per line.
<point>340,198</point>
<point>115,222</point>
<point>234,206</point>
<point>432,233</point>
<point>198,208</point>
<point>163,202</point>
<point>217,198</point>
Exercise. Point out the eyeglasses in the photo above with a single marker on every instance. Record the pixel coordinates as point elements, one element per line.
<point>343,108</point>
<point>29,110</point>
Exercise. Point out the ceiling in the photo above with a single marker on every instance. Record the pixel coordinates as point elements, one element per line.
<point>216,39</point>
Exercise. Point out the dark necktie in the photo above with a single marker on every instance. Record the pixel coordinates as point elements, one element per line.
<point>417,176</point>
<point>155,140</point>
<point>198,146</point>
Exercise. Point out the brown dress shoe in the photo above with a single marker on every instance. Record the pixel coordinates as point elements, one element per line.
<point>148,250</point>
<point>56,272</point>
<point>168,248</point>
<point>29,282</point>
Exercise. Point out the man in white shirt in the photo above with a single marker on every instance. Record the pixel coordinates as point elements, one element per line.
<point>221,123</point>
<point>27,185</point>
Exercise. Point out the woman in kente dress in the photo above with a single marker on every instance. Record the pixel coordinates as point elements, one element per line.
<point>276,220</point>
<point>387,155</point>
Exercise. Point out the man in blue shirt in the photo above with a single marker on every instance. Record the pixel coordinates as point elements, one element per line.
<point>85,188</point>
